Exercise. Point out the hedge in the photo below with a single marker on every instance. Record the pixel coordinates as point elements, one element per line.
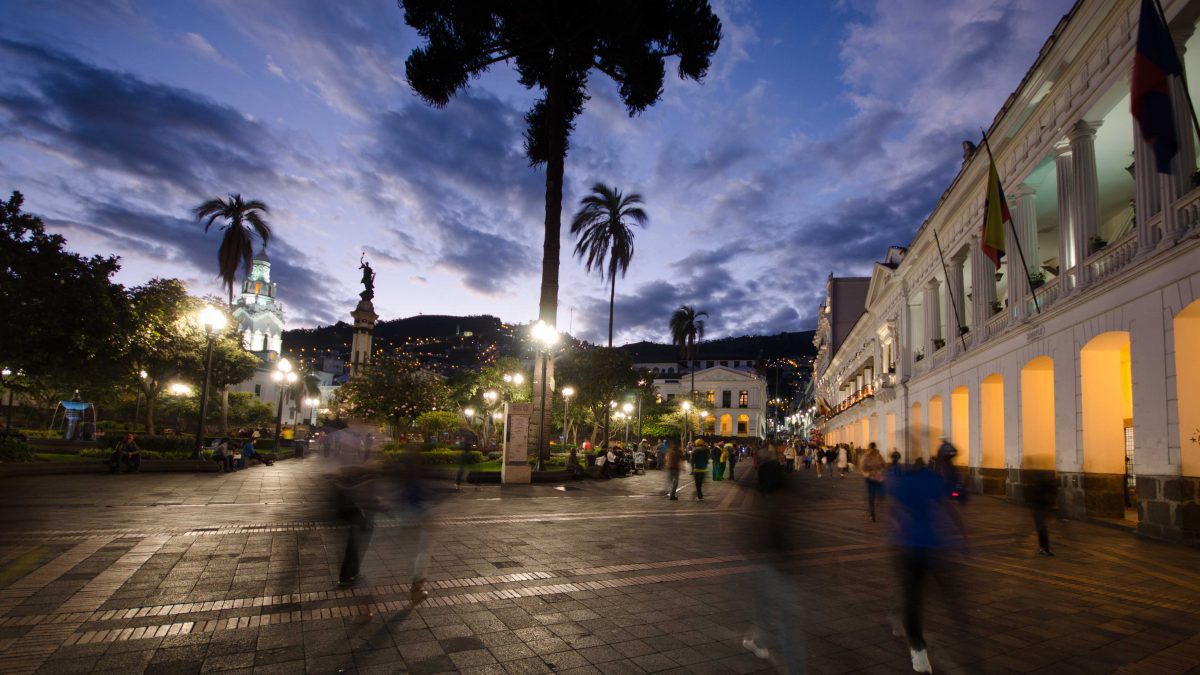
<point>440,456</point>
<point>165,444</point>
<point>14,449</point>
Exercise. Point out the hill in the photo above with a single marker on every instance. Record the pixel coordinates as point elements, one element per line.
<point>486,328</point>
<point>781,345</point>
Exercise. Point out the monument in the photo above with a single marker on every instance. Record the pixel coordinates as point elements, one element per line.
<point>364,319</point>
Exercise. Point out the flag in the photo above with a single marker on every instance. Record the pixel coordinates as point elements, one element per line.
<point>995,217</point>
<point>1153,63</point>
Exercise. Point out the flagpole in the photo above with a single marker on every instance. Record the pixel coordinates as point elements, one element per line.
<point>1013,226</point>
<point>1187,94</point>
<point>949,291</point>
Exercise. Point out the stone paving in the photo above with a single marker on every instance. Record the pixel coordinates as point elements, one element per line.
<point>174,573</point>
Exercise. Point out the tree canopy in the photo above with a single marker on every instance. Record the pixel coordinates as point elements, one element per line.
<point>394,390</point>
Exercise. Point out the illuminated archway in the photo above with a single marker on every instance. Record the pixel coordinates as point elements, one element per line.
<point>916,444</point>
<point>890,423</point>
<point>960,424</point>
<point>1106,388</point>
<point>1187,386</point>
<point>709,424</point>
<point>726,425</point>
<point>991,422</point>
<point>1037,414</point>
<point>936,432</point>
<point>743,425</point>
<point>871,427</point>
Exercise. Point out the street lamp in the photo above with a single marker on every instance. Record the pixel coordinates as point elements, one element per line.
<point>312,408</point>
<point>567,393</point>
<point>5,374</point>
<point>212,321</point>
<point>641,385</point>
<point>546,336</point>
<point>283,375</point>
<point>687,428</point>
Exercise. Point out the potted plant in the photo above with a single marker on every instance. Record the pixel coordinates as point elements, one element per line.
<point>938,343</point>
<point>996,307</point>
<point>1095,244</point>
<point>1037,279</point>
<point>919,355</point>
<point>963,330</point>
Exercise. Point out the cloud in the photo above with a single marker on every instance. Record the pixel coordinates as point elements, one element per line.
<point>106,119</point>
<point>203,47</point>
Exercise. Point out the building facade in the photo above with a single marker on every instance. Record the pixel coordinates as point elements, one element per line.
<point>734,402</point>
<point>257,312</point>
<point>1079,360</point>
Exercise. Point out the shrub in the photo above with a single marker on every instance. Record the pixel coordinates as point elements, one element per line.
<point>105,453</point>
<point>442,456</point>
<point>117,425</point>
<point>14,449</point>
<point>41,433</point>
<point>163,444</point>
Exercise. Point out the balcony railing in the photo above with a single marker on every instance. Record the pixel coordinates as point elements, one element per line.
<point>1189,210</point>
<point>1047,294</point>
<point>995,325</point>
<point>1112,258</point>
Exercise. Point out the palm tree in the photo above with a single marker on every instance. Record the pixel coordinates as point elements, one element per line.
<point>242,221</point>
<point>603,235</point>
<point>553,46</point>
<point>687,327</point>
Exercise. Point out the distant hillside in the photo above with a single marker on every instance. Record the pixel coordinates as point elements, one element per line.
<point>487,328</point>
<point>797,344</point>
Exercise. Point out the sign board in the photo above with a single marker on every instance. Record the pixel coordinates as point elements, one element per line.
<point>515,466</point>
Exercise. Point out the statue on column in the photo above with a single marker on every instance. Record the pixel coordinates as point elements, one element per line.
<point>368,278</point>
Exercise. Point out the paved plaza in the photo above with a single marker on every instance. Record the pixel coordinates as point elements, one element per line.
<point>197,573</point>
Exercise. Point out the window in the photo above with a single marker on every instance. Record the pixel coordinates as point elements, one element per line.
<point>725,363</point>
<point>743,425</point>
<point>737,364</point>
<point>726,399</point>
<point>710,365</point>
<point>695,397</point>
<point>710,397</point>
<point>743,399</point>
<point>258,390</point>
<point>670,397</point>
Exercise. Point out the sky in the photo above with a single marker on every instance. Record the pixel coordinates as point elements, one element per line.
<point>824,132</point>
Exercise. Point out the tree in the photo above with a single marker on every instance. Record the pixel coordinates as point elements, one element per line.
<point>243,220</point>
<point>163,343</point>
<point>604,235</point>
<point>492,378</point>
<point>62,313</point>
<point>598,377</point>
<point>396,391</point>
<point>231,365</point>
<point>436,422</point>
<point>554,46</point>
<point>687,326</point>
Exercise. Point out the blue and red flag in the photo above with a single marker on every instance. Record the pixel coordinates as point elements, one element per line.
<point>1154,62</point>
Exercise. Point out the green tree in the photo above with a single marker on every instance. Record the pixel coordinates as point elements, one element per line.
<point>687,327</point>
<point>602,228</point>
<point>395,391</point>
<point>491,378</point>
<point>163,342</point>
<point>231,364</point>
<point>242,221</point>
<point>62,313</point>
<point>554,46</point>
<point>598,376</point>
<point>436,422</point>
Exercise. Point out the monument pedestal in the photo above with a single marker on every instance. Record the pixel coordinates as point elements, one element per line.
<point>514,464</point>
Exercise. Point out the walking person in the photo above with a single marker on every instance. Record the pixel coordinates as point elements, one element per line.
<point>1043,499</point>
<point>719,457</point>
<point>368,445</point>
<point>843,460</point>
<point>821,460</point>
<point>700,461</point>
<point>872,468</point>
<point>734,456</point>
<point>464,458</point>
<point>925,525</point>
<point>789,457</point>
<point>674,464</point>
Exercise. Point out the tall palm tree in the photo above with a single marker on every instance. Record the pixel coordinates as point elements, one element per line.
<point>687,326</point>
<point>604,235</point>
<point>242,221</point>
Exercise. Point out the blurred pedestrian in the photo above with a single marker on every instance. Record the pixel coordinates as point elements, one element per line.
<point>1043,499</point>
<point>464,459</point>
<point>357,504</point>
<point>368,444</point>
<point>925,525</point>
<point>872,469</point>
<point>674,466</point>
<point>700,460</point>
<point>719,457</point>
<point>789,457</point>
<point>734,456</point>
<point>843,460</point>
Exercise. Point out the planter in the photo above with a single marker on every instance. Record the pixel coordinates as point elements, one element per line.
<point>938,343</point>
<point>1095,245</point>
<point>963,330</point>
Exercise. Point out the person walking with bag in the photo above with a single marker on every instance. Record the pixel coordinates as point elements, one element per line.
<point>873,465</point>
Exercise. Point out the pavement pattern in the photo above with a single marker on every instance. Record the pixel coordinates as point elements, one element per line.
<point>181,573</point>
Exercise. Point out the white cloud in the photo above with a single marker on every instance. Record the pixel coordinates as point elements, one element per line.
<point>203,47</point>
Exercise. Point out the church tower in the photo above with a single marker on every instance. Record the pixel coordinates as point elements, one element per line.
<point>258,314</point>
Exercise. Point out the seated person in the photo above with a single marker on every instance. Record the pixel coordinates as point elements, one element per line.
<point>249,453</point>
<point>126,452</point>
<point>222,456</point>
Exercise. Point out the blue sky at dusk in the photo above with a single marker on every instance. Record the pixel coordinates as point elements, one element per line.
<point>824,132</point>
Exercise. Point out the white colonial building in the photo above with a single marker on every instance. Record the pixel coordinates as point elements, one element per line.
<point>734,402</point>
<point>1085,367</point>
<point>258,314</point>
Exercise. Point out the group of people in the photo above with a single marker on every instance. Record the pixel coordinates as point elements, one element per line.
<point>235,454</point>
<point>346,445</point>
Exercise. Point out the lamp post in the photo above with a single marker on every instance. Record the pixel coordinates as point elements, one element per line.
<point>703,417</point>
<point>213,321</point>
<point>7,373</point>
<point>641,384</point>
<point>282,376</point>
<point>687,427</point>
<point>567,393</point>
<point>312,408</point>
<point>546,336</point>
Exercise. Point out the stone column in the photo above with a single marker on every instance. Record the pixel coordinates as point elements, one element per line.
<point>1024,213</point>
<point>1067,234</point>
<point>1147,193</point>
<point>905,338</point>
<point>983,287</point>
<point>360,345</point>
<point>957,296</point>
<point>1179,182</point>
<point>930,307</point>
<point>1087,192</point>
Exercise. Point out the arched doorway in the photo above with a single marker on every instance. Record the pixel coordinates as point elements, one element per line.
<point>1106,388</point>
<point>991,434</point>
<point>743,425</point>
<point>890,423</point>
<point>726,425</point>
<point>1187,386</point>
<point>916,429</point>
<point>960,425</point>
<point>936,432</point>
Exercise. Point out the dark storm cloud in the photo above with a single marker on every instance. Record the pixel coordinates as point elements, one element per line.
<point>176,241</point>
<point>486,261</point>
<point>104,118</point>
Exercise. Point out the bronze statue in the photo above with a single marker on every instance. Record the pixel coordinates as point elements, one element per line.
<point>368,278</point>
